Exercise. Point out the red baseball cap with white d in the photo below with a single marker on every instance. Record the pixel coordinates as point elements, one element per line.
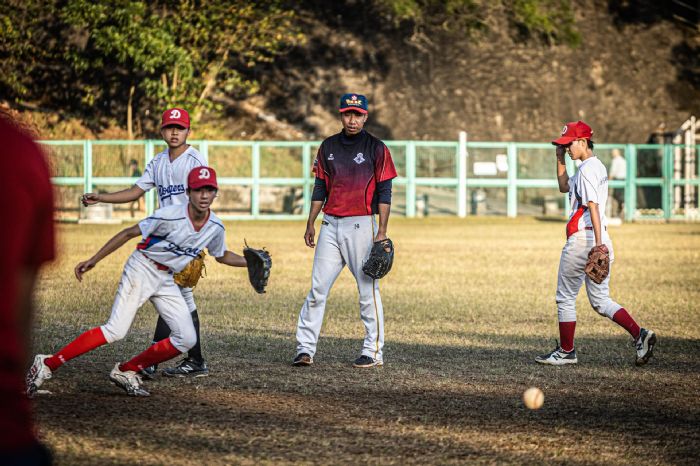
<point>200,177</point>
<point>175,116</point>
<point>572,131</point>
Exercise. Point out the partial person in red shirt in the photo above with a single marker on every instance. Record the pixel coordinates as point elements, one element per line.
<point>27,244</point>
<point>353,183</point>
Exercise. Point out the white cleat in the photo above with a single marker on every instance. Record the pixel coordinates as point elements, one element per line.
<point>645,346</point>
<point>558,357</point>
<point>130,381</point>
<point>37,374</point>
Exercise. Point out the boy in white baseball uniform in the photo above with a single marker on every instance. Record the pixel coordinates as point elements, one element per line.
<point>172,237</point>
<point>168,173</point>
<point>586,229</point>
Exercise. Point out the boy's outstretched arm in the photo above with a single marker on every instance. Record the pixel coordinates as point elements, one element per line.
<point>119,197</point>
<point>232,259</point>
<point>110,246</point>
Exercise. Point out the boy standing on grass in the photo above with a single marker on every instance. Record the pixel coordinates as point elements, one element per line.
<point>172,237</point>
<point>586,232</point>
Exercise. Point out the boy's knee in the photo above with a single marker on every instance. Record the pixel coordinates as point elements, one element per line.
<point>184,340</point>
<point>113,333</point>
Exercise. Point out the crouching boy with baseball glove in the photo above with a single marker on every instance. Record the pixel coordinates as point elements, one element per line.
<point>172,237</point>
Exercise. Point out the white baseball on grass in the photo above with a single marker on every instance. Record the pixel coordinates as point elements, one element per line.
<point>533,398</point>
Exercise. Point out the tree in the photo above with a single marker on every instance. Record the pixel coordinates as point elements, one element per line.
<point>124,56</point>
<point>25,44</point>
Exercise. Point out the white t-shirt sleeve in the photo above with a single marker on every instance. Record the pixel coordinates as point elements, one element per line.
<point>147,180</point>
<point>147,226</point>
<point>586,187</point>
<point>203,159</point>
<point>217,245</point>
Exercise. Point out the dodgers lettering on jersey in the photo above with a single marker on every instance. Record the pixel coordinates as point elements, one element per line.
<point>169,237</point>
<point>351,168</point>
<point>170,177</point>
<point>590,183</point>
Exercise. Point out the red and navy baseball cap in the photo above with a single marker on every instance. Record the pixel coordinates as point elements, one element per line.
<point>175,116</point>
<point>200,177</point>
<point>572,131</point>
<point>354,102</point>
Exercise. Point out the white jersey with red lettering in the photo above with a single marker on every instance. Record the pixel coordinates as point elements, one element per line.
<point>170,239</point>
<point>590,183</point>
<point>170,178</point>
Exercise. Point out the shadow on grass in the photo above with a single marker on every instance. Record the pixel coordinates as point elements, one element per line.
<point>430,403</point>
<point>552,219</point>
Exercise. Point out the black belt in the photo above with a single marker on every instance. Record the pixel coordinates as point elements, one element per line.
<point>590,228</point>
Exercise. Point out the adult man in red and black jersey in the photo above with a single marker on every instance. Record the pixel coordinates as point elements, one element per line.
<point>353,183</point>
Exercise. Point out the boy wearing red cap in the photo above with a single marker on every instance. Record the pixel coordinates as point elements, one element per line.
<point>172,237</point>
<point>168,173</point>
<point>586,230</point>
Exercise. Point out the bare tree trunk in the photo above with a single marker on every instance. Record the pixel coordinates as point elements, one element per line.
<point>130,122</point>
<point>174,86</point>
<point>214,70</point>
<point>130,113</point>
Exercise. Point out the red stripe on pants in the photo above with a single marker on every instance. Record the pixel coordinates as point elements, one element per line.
<point>572,226</point>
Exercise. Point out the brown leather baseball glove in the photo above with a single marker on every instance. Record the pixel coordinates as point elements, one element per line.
<point>598,264</point>
<point>193,271</point>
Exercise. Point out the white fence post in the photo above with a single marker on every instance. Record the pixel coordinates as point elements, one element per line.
<point>255,189</point>
<point>462,175</point>
<point>512,190</point>
<point>411,179</point>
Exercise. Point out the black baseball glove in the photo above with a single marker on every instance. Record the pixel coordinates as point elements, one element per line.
<point>380,260</point>
<point>259,265</point>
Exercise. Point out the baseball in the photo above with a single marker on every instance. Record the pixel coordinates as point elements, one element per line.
<point>533,398</point>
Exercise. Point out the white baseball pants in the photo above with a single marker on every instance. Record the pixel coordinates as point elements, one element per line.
<point>141,281</point>
<point>572,265</point>
<point>343,241</point>
<point>188,295</point>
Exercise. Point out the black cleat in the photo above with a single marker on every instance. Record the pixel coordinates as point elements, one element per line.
<point>149,373</point>
<point>645,346</point>
<point>558,357</point>
<point>303,359</point>
<point>366,361</point>
<point>188,368</point>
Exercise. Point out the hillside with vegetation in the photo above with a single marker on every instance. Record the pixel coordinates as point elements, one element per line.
<point>509,70</point>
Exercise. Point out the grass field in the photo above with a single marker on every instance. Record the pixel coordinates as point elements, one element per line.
<point>468,305</point>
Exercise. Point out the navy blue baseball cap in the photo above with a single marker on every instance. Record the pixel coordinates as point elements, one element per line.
<point>355,102</point>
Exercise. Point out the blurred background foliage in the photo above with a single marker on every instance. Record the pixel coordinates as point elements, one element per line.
<point>110,62</point>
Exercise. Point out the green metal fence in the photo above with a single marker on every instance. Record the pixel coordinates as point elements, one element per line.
<point>273,179</point>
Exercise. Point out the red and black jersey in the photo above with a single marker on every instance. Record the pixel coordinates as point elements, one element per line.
<point>28,242</point>
<point>351,167</point>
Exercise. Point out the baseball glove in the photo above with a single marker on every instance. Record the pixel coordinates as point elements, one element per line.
<point>598,264</point>
<point>380,260</point>
<point>193,271</point>
<point>259,265</point>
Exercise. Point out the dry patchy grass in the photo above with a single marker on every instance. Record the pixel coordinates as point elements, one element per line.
<point>468,305</point>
